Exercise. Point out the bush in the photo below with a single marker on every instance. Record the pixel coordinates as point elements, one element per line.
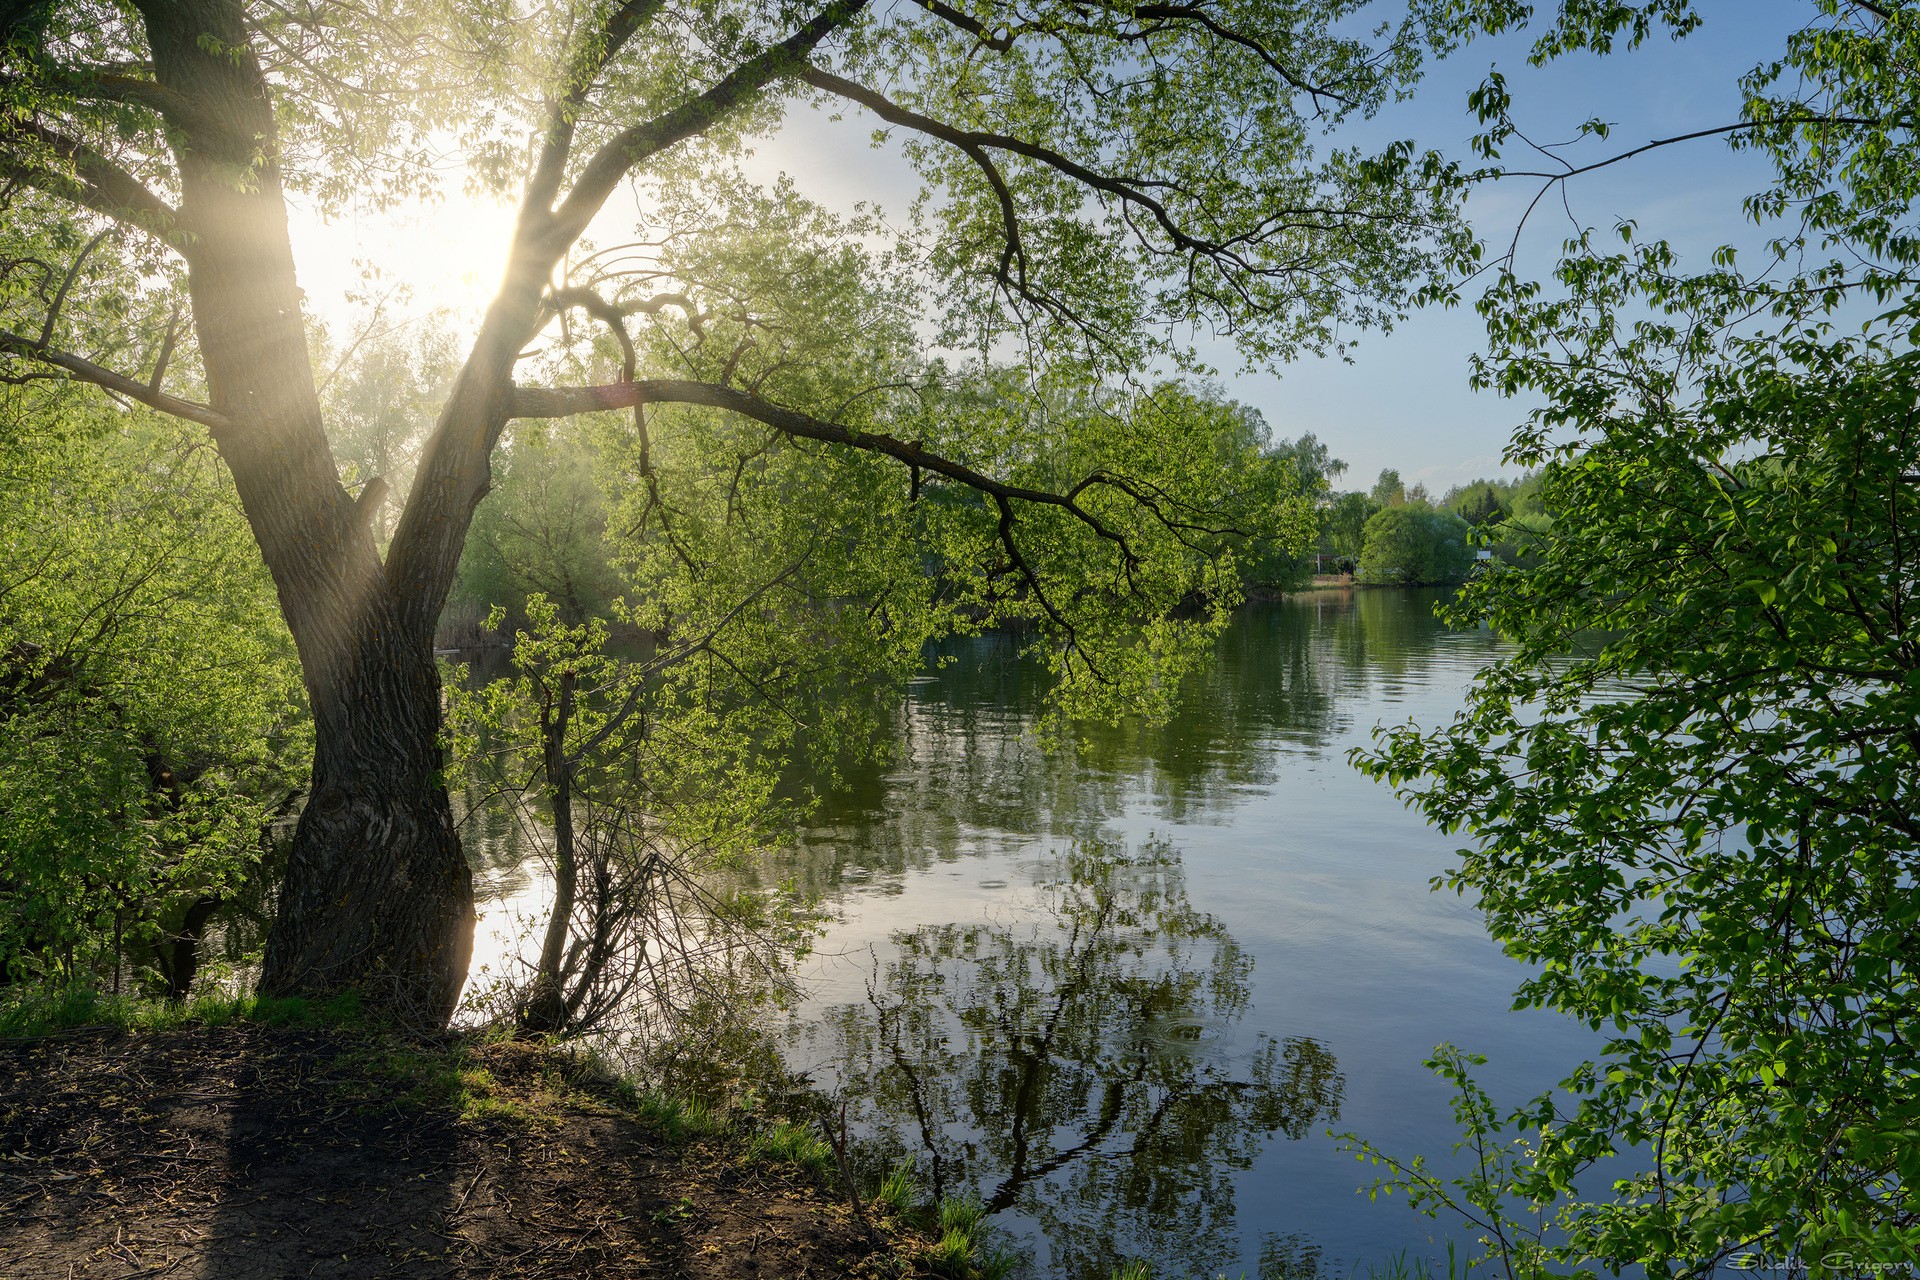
<point>1414,546</point>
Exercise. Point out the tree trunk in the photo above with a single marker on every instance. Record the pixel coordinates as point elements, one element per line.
<point>545,1010</point>
<point>378,896</point>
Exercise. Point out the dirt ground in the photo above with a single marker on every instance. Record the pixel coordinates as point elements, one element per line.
<point>247,1151</point>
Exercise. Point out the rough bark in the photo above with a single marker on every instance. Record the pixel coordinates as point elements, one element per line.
<point>378,895</point>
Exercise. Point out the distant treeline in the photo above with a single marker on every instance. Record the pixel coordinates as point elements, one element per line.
<point>1395,535</point>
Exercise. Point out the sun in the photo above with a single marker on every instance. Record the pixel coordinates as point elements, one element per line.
<point>442,256</point>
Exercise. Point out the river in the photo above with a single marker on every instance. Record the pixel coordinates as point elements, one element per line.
<point>1126,996</point>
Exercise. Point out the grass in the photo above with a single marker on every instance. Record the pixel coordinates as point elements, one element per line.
<point>896,1190</point>
<point>678,1120</point>
<point>791,1143</point>
<point>960,1250</point>
<point>43,1012</point>
<point>1404,1267</point>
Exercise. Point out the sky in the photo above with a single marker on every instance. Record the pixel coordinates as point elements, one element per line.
<point>1403,399</point>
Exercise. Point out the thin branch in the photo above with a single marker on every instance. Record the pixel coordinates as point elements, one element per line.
<point>1128,190</point>
<point>166,349</point>
<point>96,182</point>
<point>73,273</point>
<point>1742,127</point>
<point>635,145</point>
<point>1193,13</point>
<point>1000,43</point>
<point>87,371</point>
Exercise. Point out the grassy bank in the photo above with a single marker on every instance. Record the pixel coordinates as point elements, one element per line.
<point>265,1138</point>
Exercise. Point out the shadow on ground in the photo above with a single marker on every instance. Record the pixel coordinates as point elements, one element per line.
<point>249,1152</point>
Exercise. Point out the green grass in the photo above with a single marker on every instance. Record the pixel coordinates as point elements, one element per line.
<point>43,1012</point>
<point>1402,1266</point>
<point>793,1144</point>
<point>960,1251</point>
<point>896,1190</point>
<point>674,1118</point>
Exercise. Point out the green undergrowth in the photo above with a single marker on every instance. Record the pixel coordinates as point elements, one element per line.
<point>40,1012</point>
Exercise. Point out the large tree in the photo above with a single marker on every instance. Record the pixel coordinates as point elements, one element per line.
<point>1105,179</point>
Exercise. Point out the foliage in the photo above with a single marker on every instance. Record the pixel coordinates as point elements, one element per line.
<point>1314,469</point>
<point>1388,490</point>
<point>150,714</point>
<point>1694,788</point>
<point>1480,502</point>
<point>1414,545</point>
<point>1343,526</point>
<point>542,530</point>
<point>656,775</point>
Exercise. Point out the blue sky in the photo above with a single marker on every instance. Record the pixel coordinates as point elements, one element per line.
<point>1403,401</point>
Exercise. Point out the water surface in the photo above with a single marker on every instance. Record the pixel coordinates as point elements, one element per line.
<point>1123,997</point>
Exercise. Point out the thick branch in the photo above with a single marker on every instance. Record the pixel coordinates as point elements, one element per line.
<point>87,371</point>
<point>95,183</point>
<point>544,187</point>
<point>112,84</point>
<point>633,146</point>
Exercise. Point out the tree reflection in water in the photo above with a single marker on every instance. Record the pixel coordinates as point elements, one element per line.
<point>1075,1068</point>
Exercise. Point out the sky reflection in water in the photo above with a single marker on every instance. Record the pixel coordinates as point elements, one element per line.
<point>1122,998</point>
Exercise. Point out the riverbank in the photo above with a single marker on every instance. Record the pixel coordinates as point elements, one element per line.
<point>250,1150</point>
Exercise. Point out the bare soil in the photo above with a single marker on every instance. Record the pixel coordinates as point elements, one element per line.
<point>248,1151</point>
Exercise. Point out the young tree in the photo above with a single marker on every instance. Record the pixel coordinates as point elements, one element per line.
<point>1388,490</point>
<point>1695,786</point>
<point>1105,180</point>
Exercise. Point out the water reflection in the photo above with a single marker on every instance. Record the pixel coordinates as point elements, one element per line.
<point>1142,1109</point>
<point>1286,679</point>
<point>1079,1067</point>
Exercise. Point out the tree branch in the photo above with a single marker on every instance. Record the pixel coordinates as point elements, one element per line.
<point>1573,171</point>
<point>1195,14</point>
<point>1128,190</point>
<point>543,188</point>
<point>1001,43</point>
<point>95,183</point>
<point>560,402</point>
<point>633,146</point>
<point>113,84</point>
<point>87,371</point>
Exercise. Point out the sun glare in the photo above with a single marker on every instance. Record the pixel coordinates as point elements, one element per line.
<point>443,256</point>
